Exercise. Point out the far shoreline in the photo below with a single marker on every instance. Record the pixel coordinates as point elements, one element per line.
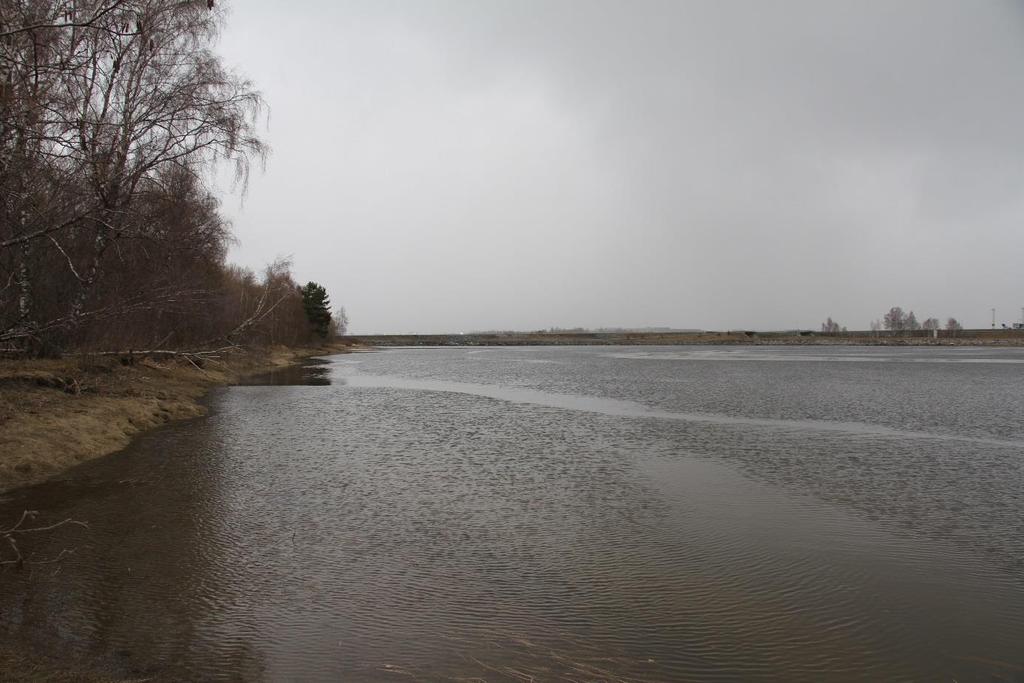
<point>988,338</point>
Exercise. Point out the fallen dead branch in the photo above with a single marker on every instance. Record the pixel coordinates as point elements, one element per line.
<point>10,536</point>
<point>196,357</point>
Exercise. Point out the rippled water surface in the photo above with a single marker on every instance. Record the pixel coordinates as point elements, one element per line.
<point>564,514</point>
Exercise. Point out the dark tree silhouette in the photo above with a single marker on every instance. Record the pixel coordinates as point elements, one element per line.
<point>318,308</point>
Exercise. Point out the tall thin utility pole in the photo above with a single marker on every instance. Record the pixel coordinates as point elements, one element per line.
<point>993,318</point>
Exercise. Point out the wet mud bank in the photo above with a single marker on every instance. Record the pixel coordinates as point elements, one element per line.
<point>55,414</point>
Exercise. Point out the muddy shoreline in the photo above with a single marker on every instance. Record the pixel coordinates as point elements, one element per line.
<point>55,414</point>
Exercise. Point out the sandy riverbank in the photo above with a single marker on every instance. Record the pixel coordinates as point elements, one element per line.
<point>55,414</point>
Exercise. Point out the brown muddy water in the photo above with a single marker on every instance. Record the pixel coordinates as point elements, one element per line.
<point>562,514</point>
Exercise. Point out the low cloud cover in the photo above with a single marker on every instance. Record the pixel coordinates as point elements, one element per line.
<point>456,166</point>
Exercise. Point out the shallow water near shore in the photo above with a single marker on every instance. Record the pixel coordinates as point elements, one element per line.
<point>648,514</point>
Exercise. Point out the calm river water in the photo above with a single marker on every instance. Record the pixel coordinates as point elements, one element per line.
<point>562,514</point>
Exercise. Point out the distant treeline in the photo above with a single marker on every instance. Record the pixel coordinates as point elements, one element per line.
<point>113,117</point>
<point>897,321</point>
<point>591,330</point>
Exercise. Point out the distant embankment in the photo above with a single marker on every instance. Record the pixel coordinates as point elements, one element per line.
<point>884,338</point>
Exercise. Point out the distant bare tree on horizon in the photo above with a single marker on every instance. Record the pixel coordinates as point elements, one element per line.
<point>340,321</point>
<point>895,319</point>
<point>831,327</point>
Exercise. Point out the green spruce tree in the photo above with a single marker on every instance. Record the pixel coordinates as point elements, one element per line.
<point>318,308</point>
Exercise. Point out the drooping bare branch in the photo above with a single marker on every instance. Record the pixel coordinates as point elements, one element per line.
<point>89,22</point>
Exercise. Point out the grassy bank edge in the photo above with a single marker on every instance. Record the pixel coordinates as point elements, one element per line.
<point>55,414</point>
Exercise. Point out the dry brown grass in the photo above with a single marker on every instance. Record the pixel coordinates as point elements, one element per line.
<point>55,414</point>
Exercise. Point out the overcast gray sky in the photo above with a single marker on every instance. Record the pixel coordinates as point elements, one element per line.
<point>455,166</point>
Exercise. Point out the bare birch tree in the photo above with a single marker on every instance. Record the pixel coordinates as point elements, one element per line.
<point>102,103</point>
